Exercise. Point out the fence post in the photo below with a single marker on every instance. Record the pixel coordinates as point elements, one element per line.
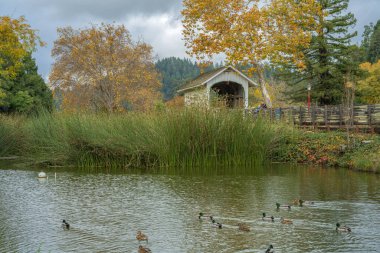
<point>369,118</point>
<point>325,116</point>
<point>301,116</point>
<point>340,116</point>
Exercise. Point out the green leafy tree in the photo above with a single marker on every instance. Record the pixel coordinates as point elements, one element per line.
<point>327,56</point>
<point>27,92</point>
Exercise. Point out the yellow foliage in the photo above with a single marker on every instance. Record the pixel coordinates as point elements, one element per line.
<point>101,68</point>
<point>250,32</point>
<point>17,39</point>
<point>369,87</point>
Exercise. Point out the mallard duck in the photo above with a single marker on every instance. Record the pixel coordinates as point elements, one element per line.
<point>144,249</point>
<point>216,224</point>
<point>270,249</point>
<point>298,202</point>
<point>203,216</point>
<point>267,218</point>
<point>286,221</point>
<point>278,205</point>
<point>65,225</point>
<point>141,237</point>
<point>244,227</point>
<point>342,229</point>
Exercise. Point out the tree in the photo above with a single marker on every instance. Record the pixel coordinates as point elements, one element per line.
<point>17,40</point>
<point>250,32</point>
<point>27,91</point>
<point>374,44</point>
<point>174,73</point>
<point>102,69</point>
<point>327,57</point>
<point>369,87</point>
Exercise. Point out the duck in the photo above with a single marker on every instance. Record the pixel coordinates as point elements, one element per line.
<point>65,225</point>
<point>298,202</point>
<point>270,249</point>
<point>141,237</point>
<point>267,218</point>
<point>216,224</point>
<point>144,249</point>
<point>278,205</point>
<point>286,221</point>
<point>342,229</point>
<point>203,216</point>
<point>244,227</point>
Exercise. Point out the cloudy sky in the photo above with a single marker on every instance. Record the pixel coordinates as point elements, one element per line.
<point>157,22</point>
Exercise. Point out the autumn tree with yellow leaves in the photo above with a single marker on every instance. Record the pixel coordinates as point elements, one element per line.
<point>369,87</point>
<point>100,68</point>
<point>17,40</point>
<point>250,32</point>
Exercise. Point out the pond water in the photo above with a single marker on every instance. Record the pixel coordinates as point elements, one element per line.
<point>106,210</point>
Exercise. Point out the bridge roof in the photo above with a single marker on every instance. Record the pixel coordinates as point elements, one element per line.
<point>204,78</point>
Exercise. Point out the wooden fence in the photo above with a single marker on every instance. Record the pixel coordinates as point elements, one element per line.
<point>360,118</point>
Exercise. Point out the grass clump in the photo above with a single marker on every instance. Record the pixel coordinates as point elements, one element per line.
<point>184,138</point>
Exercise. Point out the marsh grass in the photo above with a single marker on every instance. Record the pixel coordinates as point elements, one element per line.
<point>184,138</point>
<point>11,138</point>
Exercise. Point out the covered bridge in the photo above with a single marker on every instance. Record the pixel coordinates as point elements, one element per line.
<point>227,83</point>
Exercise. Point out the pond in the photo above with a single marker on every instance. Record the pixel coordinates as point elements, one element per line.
<point>105,210</point>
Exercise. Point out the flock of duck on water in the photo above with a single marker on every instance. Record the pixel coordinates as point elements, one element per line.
<point>245,227</point>
<point>241,226</point>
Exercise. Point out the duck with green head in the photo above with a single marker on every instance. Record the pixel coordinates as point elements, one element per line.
<point>65,225</point>
<point>204,216</point>
<point>342,229</point>
<point>216,224</point>
<point>270,249</point>
<point>267,218</point>
<point>278,205</point>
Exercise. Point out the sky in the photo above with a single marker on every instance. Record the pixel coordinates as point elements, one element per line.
<point>157,22</point>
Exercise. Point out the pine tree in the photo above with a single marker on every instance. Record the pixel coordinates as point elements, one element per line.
<point>174,73</point>
<point>374,44</point>
<point>326,57</point>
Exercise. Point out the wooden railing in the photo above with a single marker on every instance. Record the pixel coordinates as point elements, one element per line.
<point>362,117</point>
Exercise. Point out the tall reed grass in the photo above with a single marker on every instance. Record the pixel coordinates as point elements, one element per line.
<point>11,138</point>
<point>185,138</point>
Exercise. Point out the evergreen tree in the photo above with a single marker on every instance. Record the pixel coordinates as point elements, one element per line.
<point>27,92</point>
<point>326,57</point>
<point>174,73</point>
<point>374,44</point>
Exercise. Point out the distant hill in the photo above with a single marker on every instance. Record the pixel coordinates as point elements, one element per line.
<point>175,72</point>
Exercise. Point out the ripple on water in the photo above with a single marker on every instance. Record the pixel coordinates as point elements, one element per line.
<point>106,211</point>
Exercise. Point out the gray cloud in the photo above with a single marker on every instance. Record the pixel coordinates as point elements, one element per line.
<point>157,22</point>
<point>105,9</point>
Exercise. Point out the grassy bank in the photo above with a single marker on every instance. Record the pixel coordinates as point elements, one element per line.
<point>177,139</point>
<point>330,149</point>
<point>186,138</point>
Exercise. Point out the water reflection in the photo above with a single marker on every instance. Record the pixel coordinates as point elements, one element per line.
<point>106,210</point>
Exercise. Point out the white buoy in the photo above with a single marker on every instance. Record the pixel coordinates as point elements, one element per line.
<point>42,175</point>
